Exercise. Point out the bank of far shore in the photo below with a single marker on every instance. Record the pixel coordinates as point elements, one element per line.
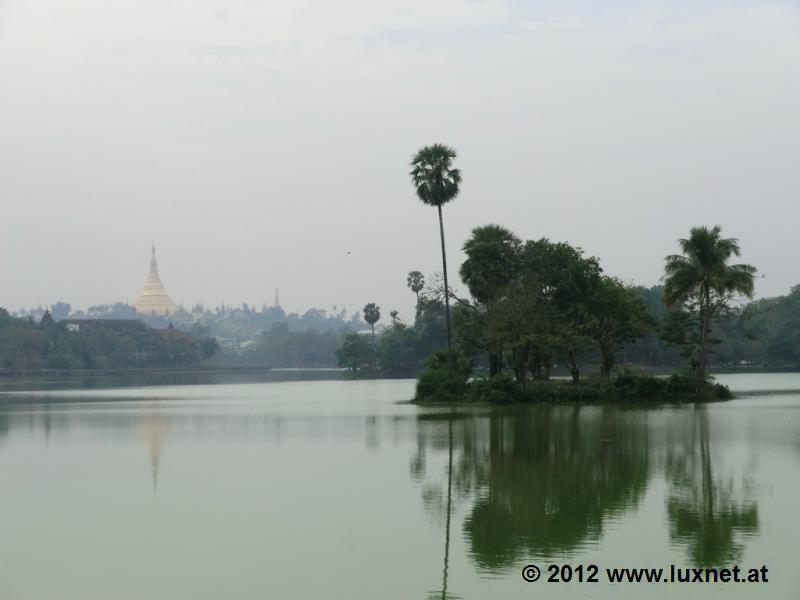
<point>626,387</point>
<point>51,379</point>
<point>156,371</point>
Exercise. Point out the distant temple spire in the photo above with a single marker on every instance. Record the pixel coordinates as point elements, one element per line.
<point>277,299</point>
<point>153,298</point>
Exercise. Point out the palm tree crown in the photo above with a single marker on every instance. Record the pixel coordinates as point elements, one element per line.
<point>492,261</point>
<point>415,281</point>
<point>372,314</point>
<point>433,176</point>
<point>703,268</point>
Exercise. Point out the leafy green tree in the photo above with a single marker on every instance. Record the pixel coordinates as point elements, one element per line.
<point>354,353</point>
<point>437,182</point>
<point>396,348</point>
<point>60,310</point>
<point>618,316</point>
<point>567,282</point>
<point>702,280</point>
<point>429,327</point>
<point>415,282</point>
<point>470,330</point>
<point>520,323</point>
<point>652,347</point>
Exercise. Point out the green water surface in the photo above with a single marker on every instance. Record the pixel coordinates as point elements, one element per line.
<point>339,490</point>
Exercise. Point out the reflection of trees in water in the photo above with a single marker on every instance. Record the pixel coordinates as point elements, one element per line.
<point>438,434</point>
<point>542,480</point>
<point>373,440</point>
<point>554,477</point>
<point>702,508</point>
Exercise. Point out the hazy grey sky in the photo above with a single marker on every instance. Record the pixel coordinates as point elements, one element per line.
<point>258,142</point>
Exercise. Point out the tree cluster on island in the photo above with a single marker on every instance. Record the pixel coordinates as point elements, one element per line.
<point>537,302</point>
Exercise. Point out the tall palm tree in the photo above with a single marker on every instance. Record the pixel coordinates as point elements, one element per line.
<point>702,278</point>
<point>437,182</point>
<point>415,282</point>
<point>372,314</point>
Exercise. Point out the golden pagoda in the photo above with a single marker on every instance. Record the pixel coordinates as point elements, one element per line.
<point>153,298</point>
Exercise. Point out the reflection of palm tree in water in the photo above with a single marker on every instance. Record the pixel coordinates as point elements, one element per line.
<point>443,595</point>
<point>702,509</point>
<point>154,427</point>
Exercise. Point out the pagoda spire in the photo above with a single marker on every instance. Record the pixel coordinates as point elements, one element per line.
<point>154,263</point>
<point>154,298</point>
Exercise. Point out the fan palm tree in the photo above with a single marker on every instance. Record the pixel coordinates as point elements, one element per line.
<point>437,182</point>
<point>492,261</point>
<point>415,282</point>
<point>702,278</point>
<point>372,314</point>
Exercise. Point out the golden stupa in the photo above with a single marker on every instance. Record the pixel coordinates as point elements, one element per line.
<point>153,298</point>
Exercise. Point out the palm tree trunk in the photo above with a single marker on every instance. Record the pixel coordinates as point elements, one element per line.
<point>704,324</point>
<point>606,360</point>
<point>446,288</point>
<point>374,348</point>
<point>494,364</point>
<point>573,368</point>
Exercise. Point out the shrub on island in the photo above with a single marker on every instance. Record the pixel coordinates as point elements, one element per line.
<point>438,383</point>
<point>444,378</point>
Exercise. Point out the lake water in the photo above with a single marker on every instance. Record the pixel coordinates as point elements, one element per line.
<point>338,490</point>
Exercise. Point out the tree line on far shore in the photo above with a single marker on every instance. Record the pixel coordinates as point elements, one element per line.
<point>27,345</point>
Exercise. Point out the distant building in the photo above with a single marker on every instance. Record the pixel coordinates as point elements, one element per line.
<point>116,325</point>
<point>153,298</point>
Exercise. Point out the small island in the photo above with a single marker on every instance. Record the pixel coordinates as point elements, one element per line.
<point>536,304</point>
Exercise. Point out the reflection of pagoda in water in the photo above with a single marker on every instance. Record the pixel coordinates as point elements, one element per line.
<point>153,298</point>
<point>154,428</point>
